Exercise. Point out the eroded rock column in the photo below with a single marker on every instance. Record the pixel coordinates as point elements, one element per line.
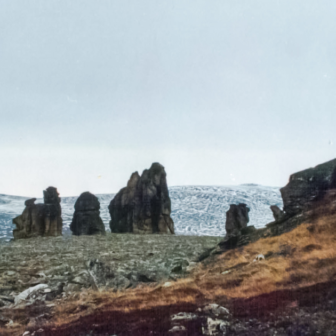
<point>40,219</point>
<point>86,219</point>
<point>143,206</point>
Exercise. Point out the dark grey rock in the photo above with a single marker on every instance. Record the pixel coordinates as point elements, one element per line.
<point>236,219</point>
<point>86,219</point>
<point>278,214</point>
<point>40,219</point>
<point>307,186</point>
<point>144,205</point>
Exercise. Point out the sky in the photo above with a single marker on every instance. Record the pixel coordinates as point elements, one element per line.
<point>220,92</point>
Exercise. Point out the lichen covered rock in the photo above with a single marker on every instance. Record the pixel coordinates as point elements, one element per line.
<point>144,205</point>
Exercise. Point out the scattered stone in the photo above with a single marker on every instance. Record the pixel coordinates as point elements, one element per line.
<point>215,327</point>
<point>25,294</point>
<point>71,287</point>
<point>146,277</point>
<point>259,257</point>
<point>177,329</point>
<point>167,284</point>
<point>183,316</point>
<point>3,320</point>
<point>144,205</point>
<point>7,298</point>
<point>119,283</point>
<point>86,219</point>
<point>177,268</point>
<point>216,310</point>
<point>10,273</point>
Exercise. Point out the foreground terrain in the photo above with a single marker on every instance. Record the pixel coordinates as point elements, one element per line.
<point>152,285</point>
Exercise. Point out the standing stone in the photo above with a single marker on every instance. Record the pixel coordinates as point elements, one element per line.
<point>144,205</point>
<point>236,219</point>
<point>122,206</point>
<point>53,212</point>
<point>278,214</point>
<point>307,186</point>
<point>86,219</point>
<point>40,219</point>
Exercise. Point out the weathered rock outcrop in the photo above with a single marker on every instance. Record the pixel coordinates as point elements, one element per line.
<point>308,194</point>
<point>307,186</point>
<point>236,219</point>
<point>144,205</point>
<point>86,219</point>
<point>40,219</point>
<point>237,231</point>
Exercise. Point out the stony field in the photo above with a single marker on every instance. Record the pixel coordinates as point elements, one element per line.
<point>118,261</point>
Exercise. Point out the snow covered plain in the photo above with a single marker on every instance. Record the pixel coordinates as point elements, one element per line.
<point>196,210</point>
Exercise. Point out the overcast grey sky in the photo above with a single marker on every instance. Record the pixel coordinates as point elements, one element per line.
<point>219,92</point>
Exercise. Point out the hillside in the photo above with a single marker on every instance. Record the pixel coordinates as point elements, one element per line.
<point>279,279</point>
<point>196,210</point>
<point>290,292</point>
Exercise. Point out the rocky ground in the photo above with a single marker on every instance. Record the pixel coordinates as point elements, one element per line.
<point>115,261</point>
<point>41,271</point>
<point>124,284</point>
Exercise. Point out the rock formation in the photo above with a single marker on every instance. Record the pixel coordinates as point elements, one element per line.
<point>86,219</point>
<point>40,219</point>
<point>308,194</point>
<point>308,185</point>
<point>236,219</point>
<point>144,205</point>
<point>52,211</point>
<point>278,214</point>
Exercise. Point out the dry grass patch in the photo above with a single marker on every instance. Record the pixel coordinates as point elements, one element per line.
<point>298,258</point>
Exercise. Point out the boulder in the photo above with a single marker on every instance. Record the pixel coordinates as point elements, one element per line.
<point>307,186</point>
<point>40,219</point>
<point>144,205</point>
<point>236,219</point>
<point>86,219</point>
<point>278,214</point>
